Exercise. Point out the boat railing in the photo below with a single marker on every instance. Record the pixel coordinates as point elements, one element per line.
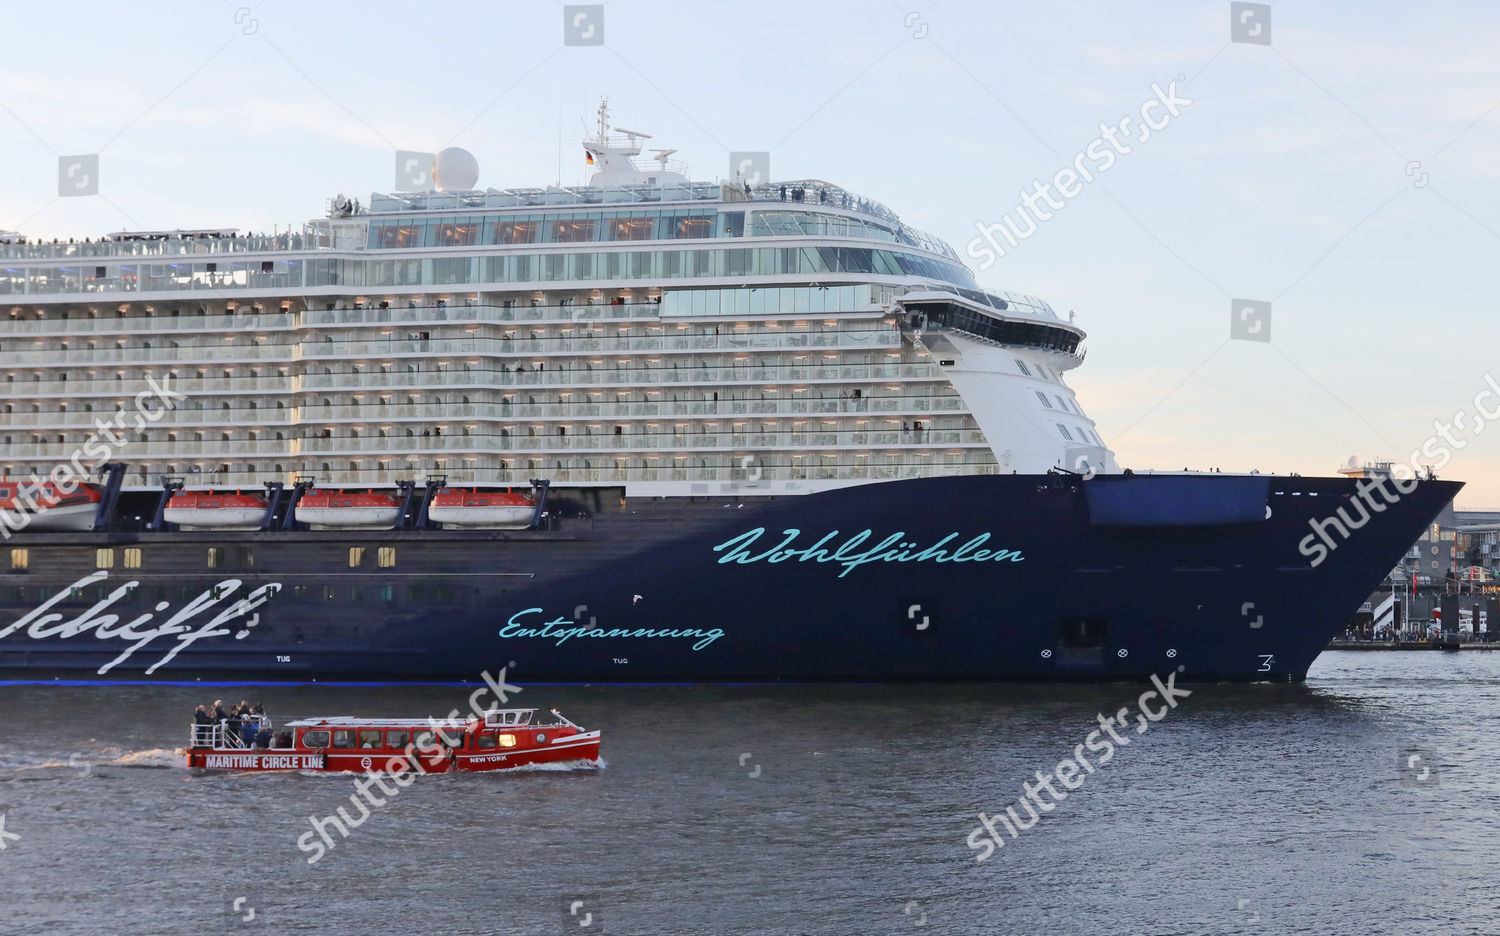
<point>220,736</point>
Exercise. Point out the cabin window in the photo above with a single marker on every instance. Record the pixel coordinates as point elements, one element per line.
<point>215,556</point>
<point>356,593</point>
<point>397,739</point>
<point>356,556</point>
<point>343,738</point>
<point>385,557</point>
<point>315,739</point>
<point>104,558</point>
<point>20,558</point>
<point>329,592</point>
<point>507,740</point>
<point>369,738</point>
<point>414,593</point>
<point>299,592</point>
<point>132,557</point>
<point>487,740</point>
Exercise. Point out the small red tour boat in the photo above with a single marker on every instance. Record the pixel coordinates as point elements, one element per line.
<point>502,740</point>
<point>47,507</point>
<point>339,510</point>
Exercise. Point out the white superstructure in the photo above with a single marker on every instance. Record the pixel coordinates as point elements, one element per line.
<point>673,337</point>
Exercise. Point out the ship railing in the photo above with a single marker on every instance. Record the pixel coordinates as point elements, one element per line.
<point>188,323</point>
<point>500,345</point>
<point>477,313</point>
<point>520,472</point>
<point>567,378</point>
<point>363,412</point>
<point>608,441</point>
<point>158,247</point>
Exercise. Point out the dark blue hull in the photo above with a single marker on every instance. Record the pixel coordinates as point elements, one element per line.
<point>973,578</point>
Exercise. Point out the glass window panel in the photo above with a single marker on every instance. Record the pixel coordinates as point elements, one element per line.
<point>572,229</point>
<point>632,228</point>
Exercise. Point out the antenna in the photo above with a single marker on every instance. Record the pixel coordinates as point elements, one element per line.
<point>634,133</point>
<point>661,156</point>
<point>603,117</point>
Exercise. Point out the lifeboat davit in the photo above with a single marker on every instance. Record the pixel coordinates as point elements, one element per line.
<point>211,510</point>
<point>340,510</point>
<point>45,506</point>
<point>485,510</point>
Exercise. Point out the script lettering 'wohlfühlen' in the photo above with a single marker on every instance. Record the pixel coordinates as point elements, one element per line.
<point>42,622</point>
<point>851,553</point>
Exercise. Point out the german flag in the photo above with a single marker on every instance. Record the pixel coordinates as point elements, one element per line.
<point>588,157</point>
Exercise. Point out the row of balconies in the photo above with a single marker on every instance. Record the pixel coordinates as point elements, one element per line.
<point>624,378</point>
<point>603,344</point>
<point>190,415</point>
<point>192,321</point>
<point>107,324</point>
<point>281,384</point>
<point>274,383</point>
<point>554,348</point>
<point>521,474</point>
<point>430,444</point>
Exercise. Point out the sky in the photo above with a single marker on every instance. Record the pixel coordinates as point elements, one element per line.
<point>1336,161</point>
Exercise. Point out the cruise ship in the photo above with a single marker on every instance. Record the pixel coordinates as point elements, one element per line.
<point>644,429</point>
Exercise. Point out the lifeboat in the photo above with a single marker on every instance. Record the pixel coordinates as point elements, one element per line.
<point>500,739</point>
<point>488,510</point>
<point>340,510</point>
<point>44,506</point>
<point>212,510</point>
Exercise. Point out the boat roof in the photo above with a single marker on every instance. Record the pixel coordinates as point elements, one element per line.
<point>350,721</point>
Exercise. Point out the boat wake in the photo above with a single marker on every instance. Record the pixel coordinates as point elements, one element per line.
<point>559,767</point>
<point>77,766</point>
<point>152,757</point>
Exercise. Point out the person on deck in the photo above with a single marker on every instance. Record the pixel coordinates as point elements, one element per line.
<point>202,725</point>
<point>232,728</point>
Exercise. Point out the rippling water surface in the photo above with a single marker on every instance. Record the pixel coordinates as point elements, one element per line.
<point>800,809</point>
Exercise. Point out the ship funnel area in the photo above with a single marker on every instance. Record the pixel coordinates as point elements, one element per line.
<point>612,151</point>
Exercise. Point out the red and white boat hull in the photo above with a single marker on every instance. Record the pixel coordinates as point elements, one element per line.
<point>64,517</point>
<point>483,517</point>
<point>215,518</point>
<point>348,518</point>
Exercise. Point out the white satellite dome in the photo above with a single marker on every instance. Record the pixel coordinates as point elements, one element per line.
<point>455,170</point>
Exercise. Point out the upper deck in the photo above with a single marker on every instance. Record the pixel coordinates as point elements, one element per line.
<point>401,220</point>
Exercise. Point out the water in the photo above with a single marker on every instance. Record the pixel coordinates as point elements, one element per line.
<point>803,809</point>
